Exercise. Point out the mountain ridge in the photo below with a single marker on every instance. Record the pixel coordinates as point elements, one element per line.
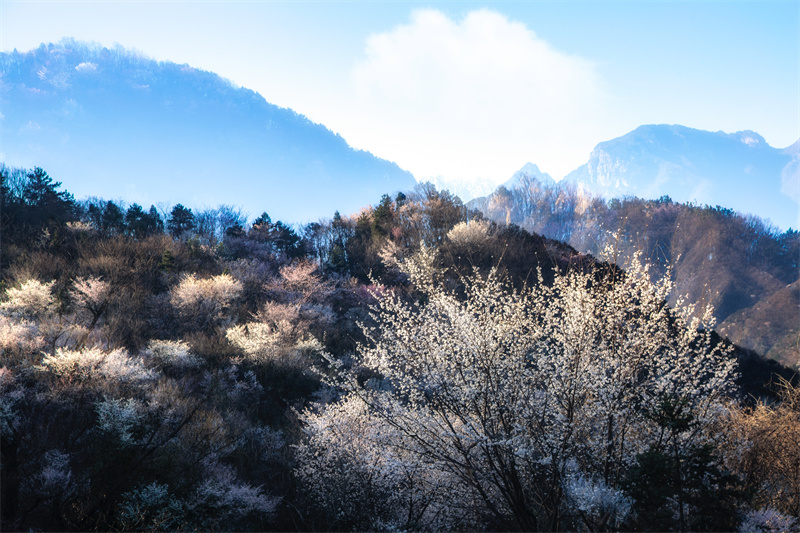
<point>736,170</point>
<point>158,126</point>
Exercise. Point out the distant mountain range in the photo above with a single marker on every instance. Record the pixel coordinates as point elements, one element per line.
<point>739,170</point>
<point>113,124</point>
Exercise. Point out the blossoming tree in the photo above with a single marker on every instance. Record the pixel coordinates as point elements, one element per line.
<point>531,405</point>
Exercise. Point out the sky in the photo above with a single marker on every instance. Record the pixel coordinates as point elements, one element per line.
<point>469,91</point>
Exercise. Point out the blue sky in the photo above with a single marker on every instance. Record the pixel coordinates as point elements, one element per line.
<point>470,90</point>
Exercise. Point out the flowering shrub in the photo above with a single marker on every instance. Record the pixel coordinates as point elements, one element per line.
<point>206,302</point>
<point>472,234</point>
<point>90,364</point>
<point>151,508</point>
<point>118,418</point>
<point>273,343</point>
<point>224,500</point>
<point>91,294</point>
<point>358,469</point>
<point>33,299</point>
<point>19,336</point>
<point>54,480</point>
<point>174,354</point>
<point>597,505</point>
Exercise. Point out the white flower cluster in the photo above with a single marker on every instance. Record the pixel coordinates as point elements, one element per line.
<point>471,234</point>
<point>33,299</point>
<point>206,301</point>
<point>119,418</point>
<point>88,364</point>
<point>171,353</point>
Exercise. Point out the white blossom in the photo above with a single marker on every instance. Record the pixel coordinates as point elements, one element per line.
<point>33,299</point>
<point>503,389</point>
<point>119,418</point>
<point>88,364</point>
<point>206,301</point>
<point>470,234</point>
<point>171,353</point>
<point>151,508</point>
<point>228,498</point>
<point>92,294</point>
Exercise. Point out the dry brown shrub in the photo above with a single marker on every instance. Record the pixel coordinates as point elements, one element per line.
<point>762,445</point>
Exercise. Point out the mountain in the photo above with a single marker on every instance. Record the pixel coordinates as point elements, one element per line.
<point>739,170</point>
<point>527,174</point>
<point>111,123</point>
<point>746,270</point>
<point>466,190</point>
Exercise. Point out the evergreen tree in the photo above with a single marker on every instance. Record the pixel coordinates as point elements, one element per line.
<point>180,221</point>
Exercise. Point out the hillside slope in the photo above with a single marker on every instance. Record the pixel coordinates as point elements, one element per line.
<point>747,270</point>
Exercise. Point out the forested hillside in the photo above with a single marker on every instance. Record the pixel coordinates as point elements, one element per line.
<point>413,366</point>
<point>747,270</point>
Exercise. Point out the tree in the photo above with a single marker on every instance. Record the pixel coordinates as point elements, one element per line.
<point>382,217</point>
<point>32,202</point>
<point>517,394</point>
<point>180,221</point>
<point>141,224</point>
<point>112,221</point>
<point>682,488</point>
<point>205,303</point>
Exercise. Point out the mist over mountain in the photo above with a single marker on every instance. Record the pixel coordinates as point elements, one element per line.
<point>739,170</point>
<point>114,124</point>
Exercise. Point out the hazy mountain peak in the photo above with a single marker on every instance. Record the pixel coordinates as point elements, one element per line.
<point>110,122</point>
<point>735,170</point>
<point>529,171</point>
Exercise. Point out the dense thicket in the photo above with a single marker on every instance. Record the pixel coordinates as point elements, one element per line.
<point>171,369</point>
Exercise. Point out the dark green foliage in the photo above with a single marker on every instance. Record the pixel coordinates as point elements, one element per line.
<point>279,237</point>
<point>680,487</point>
<point>262,220</point>
<point>140,224</point>
<point>382,218</point>
<point>660,482</point>
<point>181,220</point>
<point>650,485</point>
<point>167,261</point>
<point>286,240</point>
<point>112,221</point>
<point>337,258</point>
<point>31,204</point>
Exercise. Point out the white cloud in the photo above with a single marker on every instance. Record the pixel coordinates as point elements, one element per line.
<point>86,66</point>
<point>473,99</point>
